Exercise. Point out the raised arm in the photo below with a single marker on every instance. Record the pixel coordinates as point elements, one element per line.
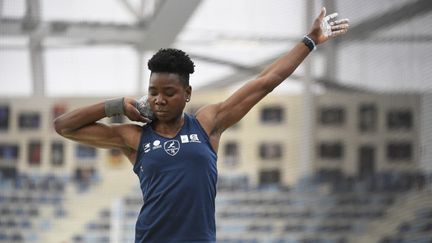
<point>82,125</point>
<point>216,118</point>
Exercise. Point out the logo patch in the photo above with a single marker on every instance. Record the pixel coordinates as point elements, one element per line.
<point>156,144</point>
<point>172,147</point>
<point>146,147</point>
<point>184,138</point>
<point>194,138</point>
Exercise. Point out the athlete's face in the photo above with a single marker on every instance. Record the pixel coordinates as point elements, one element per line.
<point>167,95</point>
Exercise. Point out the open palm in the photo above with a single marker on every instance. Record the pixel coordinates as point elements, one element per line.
<point>336,27</point>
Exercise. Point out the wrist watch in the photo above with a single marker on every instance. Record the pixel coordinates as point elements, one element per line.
<point>309,43</point>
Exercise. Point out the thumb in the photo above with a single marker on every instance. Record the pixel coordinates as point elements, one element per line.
<point>145,119</point>
<point>322,13</point>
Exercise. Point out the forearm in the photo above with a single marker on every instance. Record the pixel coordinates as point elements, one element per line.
<point>79,118</point>
<point>284,66</point>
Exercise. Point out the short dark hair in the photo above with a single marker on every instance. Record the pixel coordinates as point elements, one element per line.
<point>171,60</point>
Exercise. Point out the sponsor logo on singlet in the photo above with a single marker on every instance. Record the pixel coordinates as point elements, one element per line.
<point>156,144</point>
<point>184,138</point>
<point>172,147</point>
<point>194,138</point>
<point>146,147</point>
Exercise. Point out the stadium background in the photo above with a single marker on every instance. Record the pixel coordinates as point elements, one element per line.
<point>340,152</point>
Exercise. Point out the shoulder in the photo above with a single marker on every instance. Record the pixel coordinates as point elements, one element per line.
<point>206,116</point>
<point>131,134</point>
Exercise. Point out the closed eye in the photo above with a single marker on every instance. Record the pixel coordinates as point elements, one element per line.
<point>170,92</point>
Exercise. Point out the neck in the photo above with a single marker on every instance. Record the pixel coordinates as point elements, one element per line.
<point>169,128</point>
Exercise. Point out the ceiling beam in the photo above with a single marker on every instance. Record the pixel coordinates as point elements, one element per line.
<point>131,9</point>
<point>167,23</point>
<point>89,31</point>
<point>243,73</point>
<point>357,32</point>
<point>371,25</point>
<point>160,31</point>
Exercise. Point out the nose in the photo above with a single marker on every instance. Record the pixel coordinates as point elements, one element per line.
<point>160,100</point>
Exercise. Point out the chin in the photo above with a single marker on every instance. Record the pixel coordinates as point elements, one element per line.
<point>164,116</point>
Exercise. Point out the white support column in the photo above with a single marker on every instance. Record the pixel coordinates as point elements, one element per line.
<point>425,148</point>
<point>141,83</point>
<point>117,221</point>
<point>307,148</point>
<point>37,67</point>
<point>1,8</point>
<point>330,50</point>
<point>35,47</point>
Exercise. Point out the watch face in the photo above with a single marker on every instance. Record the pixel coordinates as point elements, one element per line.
<point>309,43</point>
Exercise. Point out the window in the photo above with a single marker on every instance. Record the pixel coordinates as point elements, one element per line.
<point>58,110</point>
<point>366,160</point>
<point>57,153</point>
<point>274,114</point>
<point>328,150</point>
<point>4,117</point>
<point>269,177</point>
<point>399,119</point>
<point>34,152</point>
<point>367,118</point>
<point>115,157</point>
<point>231,153</point>
<point>397,151</point>
<point>329,175</point>
<point>9,152</point>
<point>84,174</point>
<point>270,151</point>
<point>85,152</point>
<point>332,116</point>
<point>115,152</point>
<point>29,120</point>
<point>8,172</point>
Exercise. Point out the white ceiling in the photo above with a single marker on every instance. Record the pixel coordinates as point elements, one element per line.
<point>221,36</point>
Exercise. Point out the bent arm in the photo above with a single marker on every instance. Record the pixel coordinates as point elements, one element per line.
<point>82,125</point>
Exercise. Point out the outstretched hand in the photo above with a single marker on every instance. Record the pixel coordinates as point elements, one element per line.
<point>337,27</point>
<point>132,112</point>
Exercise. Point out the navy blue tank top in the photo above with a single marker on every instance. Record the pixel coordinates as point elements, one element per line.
<point>178,182</point>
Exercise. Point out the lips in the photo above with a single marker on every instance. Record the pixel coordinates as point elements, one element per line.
<point>161,112</point>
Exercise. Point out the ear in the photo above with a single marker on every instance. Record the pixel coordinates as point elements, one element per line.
<point>188,90</point>
<point>188,93</point>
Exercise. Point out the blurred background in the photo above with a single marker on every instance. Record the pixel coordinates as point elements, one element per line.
<point>339,152</point>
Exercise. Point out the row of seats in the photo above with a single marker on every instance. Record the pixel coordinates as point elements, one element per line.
<point>283,240</point>
<point>267,214</point>
<point>349,215</point>
<point>418,229</point>
<point>26,182</point>
<point>27,205</point>
<point>295,228</point>
<point>379,182</point>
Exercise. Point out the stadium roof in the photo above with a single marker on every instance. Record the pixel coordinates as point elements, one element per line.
<point>100,47</point>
